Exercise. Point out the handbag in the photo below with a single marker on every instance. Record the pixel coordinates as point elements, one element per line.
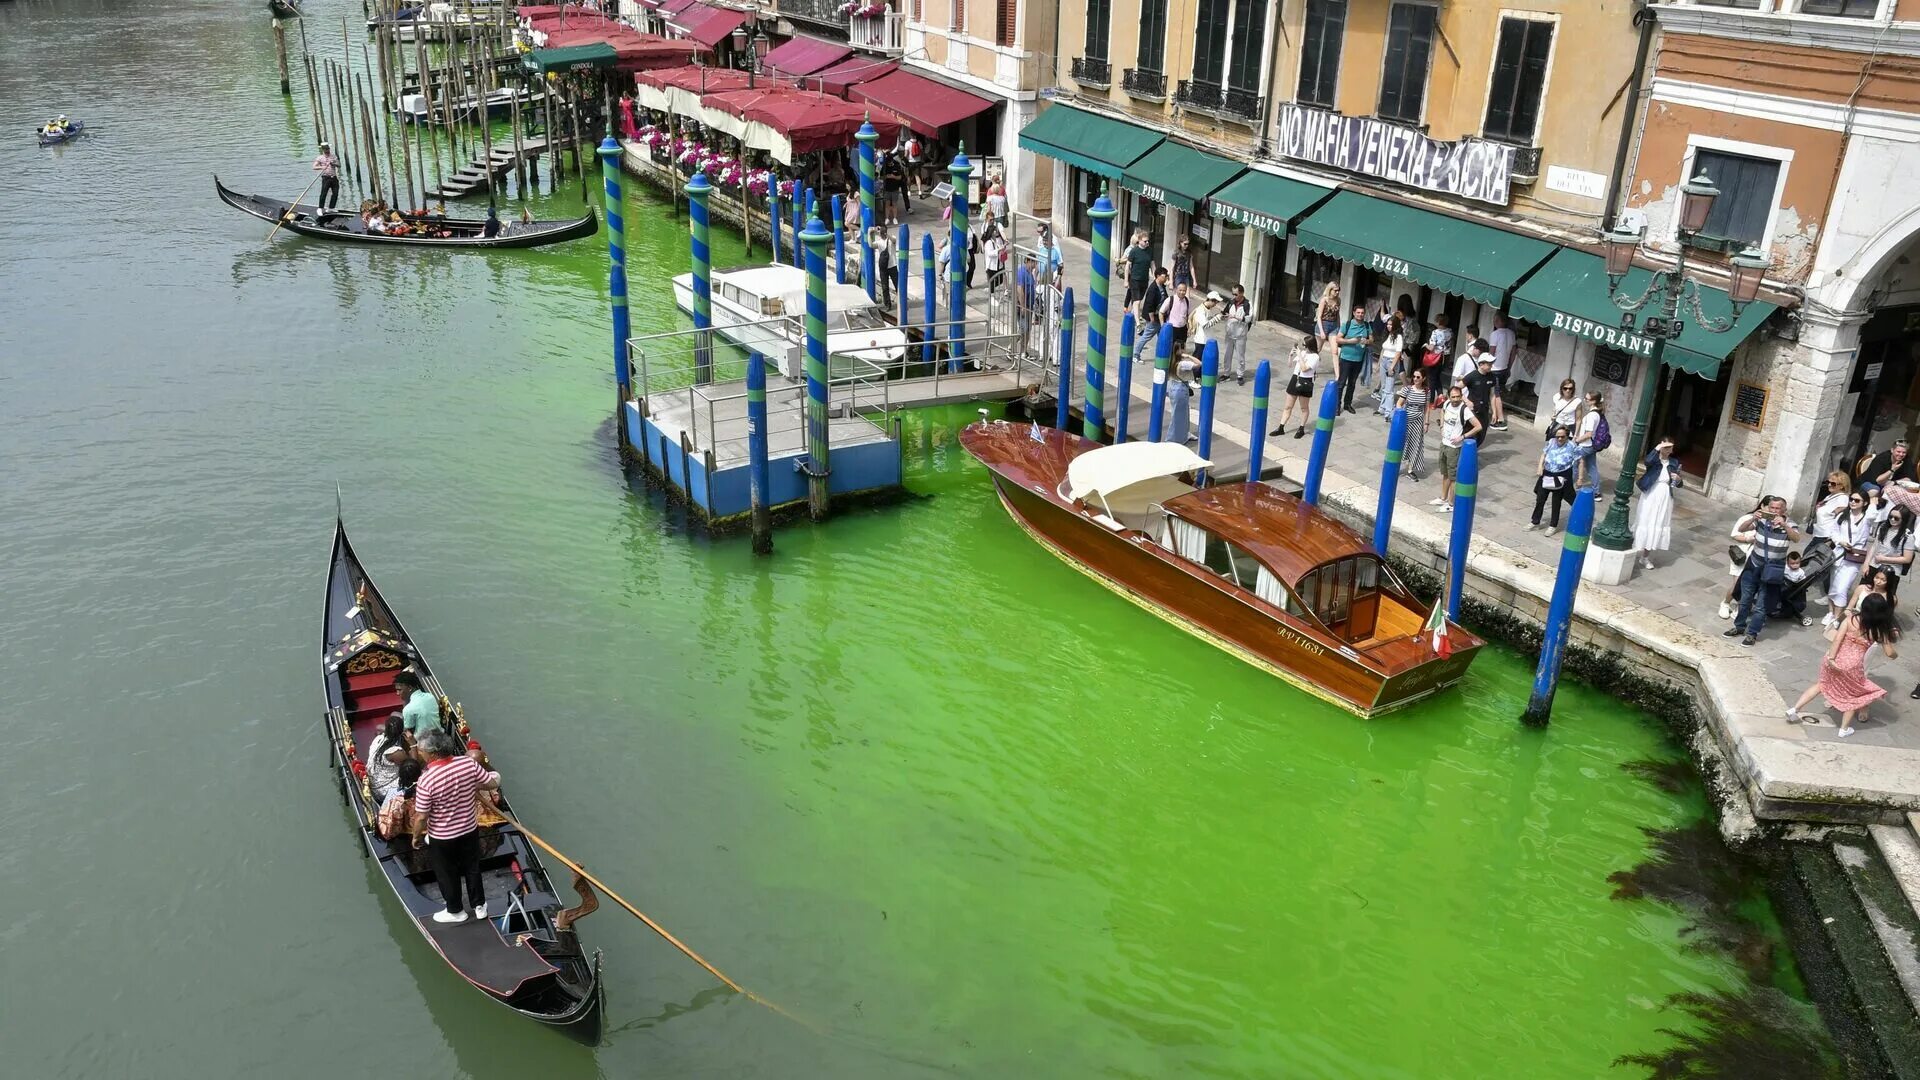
<point>1300,386</point>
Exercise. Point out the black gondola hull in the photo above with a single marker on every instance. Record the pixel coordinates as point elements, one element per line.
<point>309,220</point>
<point>518,957</point>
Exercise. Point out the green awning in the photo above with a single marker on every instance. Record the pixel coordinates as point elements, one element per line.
<point>1265,201</point>
<point>1091,141</point>
<point>1569,294</point>
<point>594,54</point>
<point>1179,176</point>
<point>1475,261</point>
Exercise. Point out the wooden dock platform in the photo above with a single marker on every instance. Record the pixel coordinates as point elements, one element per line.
<point>474,176</point>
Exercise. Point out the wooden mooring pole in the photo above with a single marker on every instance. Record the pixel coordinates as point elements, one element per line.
<point>280,57</point>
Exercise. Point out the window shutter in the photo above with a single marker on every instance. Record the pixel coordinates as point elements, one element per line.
<point>1006,21</point>
<point>957,17</point>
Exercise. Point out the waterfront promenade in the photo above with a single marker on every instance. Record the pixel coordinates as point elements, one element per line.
<point>1670,613</point>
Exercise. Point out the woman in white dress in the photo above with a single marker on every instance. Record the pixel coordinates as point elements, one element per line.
<point>1653,516</point>
<point>1852,543</point>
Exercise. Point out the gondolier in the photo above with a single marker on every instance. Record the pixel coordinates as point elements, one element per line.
<point>443,811</point>
<point>328,167</point>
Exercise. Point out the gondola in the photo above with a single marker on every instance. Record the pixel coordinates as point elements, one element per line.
<point>284,9</point>
<point>308,220</point>
<point>526,954</point>
<point>55,138</point>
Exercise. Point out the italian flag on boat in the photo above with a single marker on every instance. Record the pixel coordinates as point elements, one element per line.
<point>1437,626</point>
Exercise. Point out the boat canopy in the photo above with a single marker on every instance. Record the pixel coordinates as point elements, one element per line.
<point>1154,467</point>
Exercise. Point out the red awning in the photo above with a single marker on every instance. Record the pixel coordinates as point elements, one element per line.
<point>807,119</point>
<point>674,7</point>
<point>634,51</point>
<point>849,72</point>
<point>925,105</point>
<point>709,25</point>
<point>806,55</point>
<point>694,77</point>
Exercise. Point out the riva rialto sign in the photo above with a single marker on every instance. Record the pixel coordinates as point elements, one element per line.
<point>1471,168</point>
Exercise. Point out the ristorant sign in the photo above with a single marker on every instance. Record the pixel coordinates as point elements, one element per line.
<point>1471,168</point>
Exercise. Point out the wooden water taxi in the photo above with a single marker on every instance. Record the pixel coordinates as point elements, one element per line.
<point>763,308</point>
<point>1252,569</point>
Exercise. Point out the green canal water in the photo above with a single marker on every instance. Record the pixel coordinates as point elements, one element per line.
<point>958,809</point>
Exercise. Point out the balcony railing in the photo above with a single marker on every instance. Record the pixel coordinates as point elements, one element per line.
<point>820,12</point>
<point>1526,163</point>
<point>1142,83</point>
<point>1091,71</point>
<point>886,32</point>
<point>1226,101</point>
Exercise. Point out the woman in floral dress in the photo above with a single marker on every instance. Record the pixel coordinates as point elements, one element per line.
<point>1843,671</point>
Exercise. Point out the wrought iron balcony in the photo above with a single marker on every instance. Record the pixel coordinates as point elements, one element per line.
<point>1526,163</point>
<point>1198,94</point>
<point>1142,83</point>
<point>818,12</point>
<point>1091,71</point>
<point>1244,104</point>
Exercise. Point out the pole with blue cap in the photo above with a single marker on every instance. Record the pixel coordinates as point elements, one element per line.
<point>1466,480</point>
<point>1209,382</point>
<point>615,210</point>
<point>698,189</point>
<point>1123,379</point>
<point>1066,360</point>
<point>929,299</point>
<point>1162,357</point>
<point>1102,214</point>
<point>814,239</point>
<point>959,170</point>
<point>1566,587</point>
<point>1257,445</point>
<point>1322,443</point>
<point>839,242</point>
<point>903,271</point>
<point>867,137</point>
<point>1390,480</point>
<point>757,479</point>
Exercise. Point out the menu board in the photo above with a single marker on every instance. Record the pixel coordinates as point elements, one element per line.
<point>1749,405</point>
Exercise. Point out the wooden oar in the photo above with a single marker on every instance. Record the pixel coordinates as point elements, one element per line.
<point>657,928</point>
<point>288,216</point>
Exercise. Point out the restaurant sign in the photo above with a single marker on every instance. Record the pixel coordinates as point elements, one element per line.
<point>1471,168</point>
<point>1612,336</point>
<point>1240,215</point>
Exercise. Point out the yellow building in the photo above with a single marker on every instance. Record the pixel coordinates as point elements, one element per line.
<point>1409,151</point>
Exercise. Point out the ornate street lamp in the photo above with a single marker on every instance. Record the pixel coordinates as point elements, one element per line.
<point>748,43</point>
<point>1665,294</point>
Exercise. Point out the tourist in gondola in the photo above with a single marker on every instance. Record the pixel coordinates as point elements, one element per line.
<point>443,810</point>
<point>491,227</point>
<point>395,817</point>
<point>421,709</point>
<point>388,750</point>
<point>328,167</point>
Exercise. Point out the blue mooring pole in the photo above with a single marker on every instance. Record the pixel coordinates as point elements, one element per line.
<point>1209,380</point>
<point>1390,481</point>
<point>757,479</point>
<point>1322,442</point>
<point>1466,479</point>
<point>799,217</point>
<point>1123,379</point>
<point>615,210</point>
<point>904,272</point>
<point>819,379</point>
<point>1066,359</point>
<point>1257,445</point>
<point>700,252</point>
<point>1102,214</point>
<point>1566,586</point>
<point>839,242</point>
<point>958,170</point>
<point>773,218</point>
<point>867,137</point>
<point>929,298</point>
<point>1162,356</point>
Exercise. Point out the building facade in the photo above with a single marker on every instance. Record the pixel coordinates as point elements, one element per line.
<point>1419,155</point>
<point>1806,115</point>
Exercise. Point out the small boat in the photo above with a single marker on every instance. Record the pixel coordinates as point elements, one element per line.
<point>54,138</point>
<point>761,309</point>
<point>1255,571</point>
<point>345,225</point>
<point>432,22</point>
<point>416,109</point>
<point>526,954</point>
<point>285,9</point>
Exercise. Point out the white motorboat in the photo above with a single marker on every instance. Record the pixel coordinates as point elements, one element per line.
<point>762,309</point>
<point>415,108</point>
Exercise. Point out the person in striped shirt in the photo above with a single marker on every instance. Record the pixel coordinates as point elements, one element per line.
<point>444,813</point>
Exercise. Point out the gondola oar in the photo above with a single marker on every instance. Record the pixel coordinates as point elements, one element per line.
<point>284,218</point>
<point>657,928</point>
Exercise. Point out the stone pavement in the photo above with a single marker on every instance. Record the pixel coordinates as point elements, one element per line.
<point>1671,610</point>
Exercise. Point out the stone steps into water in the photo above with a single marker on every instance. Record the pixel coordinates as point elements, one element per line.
<point>1833,882</point>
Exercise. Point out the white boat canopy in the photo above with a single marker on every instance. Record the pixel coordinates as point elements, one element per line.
<point>1152,467</point>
